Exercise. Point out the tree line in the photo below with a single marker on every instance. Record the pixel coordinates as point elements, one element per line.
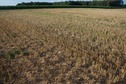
<point>84,3</point>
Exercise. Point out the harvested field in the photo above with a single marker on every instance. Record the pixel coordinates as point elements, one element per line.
<point>63,46</point>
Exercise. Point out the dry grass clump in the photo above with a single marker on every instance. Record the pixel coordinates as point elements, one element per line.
<point>63,46</point>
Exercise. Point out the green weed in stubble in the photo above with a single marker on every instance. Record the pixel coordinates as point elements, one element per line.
<point>25,52</point>
<point>12,54</point>
<point>14,35</point>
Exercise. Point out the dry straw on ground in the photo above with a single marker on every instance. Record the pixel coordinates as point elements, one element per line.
<point>73,46</point>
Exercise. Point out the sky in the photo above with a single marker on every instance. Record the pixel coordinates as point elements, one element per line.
<point>14,2</point>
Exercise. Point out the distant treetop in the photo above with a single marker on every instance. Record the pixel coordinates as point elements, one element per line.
<point>86,3</point>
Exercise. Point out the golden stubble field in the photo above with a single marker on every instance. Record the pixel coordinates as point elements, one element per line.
<point>63,46</point>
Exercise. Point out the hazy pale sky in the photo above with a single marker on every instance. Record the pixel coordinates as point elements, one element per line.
<point>14,2</point>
